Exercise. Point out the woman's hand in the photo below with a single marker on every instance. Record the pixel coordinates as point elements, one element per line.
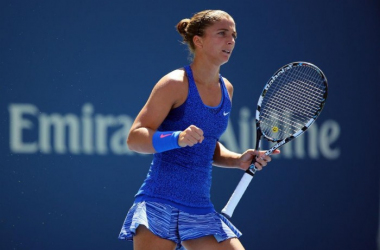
<point>262,160</point>
<point>190,136</point>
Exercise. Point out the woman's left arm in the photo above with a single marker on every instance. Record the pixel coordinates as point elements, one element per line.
<point>228,159</point>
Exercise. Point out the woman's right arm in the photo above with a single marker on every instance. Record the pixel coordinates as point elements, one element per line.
<point>168,93</point>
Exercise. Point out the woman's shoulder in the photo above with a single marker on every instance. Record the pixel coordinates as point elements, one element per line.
<point>229,86</point>
<point>172,86</point>
<point>176,76</point>
<point>173,80</point>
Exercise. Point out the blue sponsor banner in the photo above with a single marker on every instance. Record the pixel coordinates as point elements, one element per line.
<point>74,75</point>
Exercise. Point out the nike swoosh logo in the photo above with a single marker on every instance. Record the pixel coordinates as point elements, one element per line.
<point>163,136</point>
<point>225,113</point>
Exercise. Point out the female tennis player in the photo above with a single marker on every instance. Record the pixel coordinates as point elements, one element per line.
<point>180,124</point>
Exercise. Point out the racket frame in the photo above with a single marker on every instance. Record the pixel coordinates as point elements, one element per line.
<point>250,172</point>
<point>252,169</point>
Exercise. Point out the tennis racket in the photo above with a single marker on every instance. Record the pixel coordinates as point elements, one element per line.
<point>291,101</point>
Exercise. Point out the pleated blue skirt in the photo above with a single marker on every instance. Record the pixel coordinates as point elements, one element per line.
<point>173,224</point>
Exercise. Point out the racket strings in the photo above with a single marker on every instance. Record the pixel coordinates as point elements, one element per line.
<point>291,101</point>
<point>314,84</point>
<point>279,127</point>
<point>303,86</point>
<point>293,112</point>
<point>283,129</point>
<point>307,82</point>
<point>295,119</point>
<point>305,109</point>
<point>311,102</point>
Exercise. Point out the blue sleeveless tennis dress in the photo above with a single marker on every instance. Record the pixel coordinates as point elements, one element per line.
<point>174,200</point>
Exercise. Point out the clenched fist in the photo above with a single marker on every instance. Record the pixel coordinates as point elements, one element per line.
<point>190,136</point>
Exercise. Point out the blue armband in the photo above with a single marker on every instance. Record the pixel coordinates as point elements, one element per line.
<point>164,141</point>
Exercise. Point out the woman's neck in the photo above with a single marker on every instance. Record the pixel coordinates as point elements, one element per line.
<point>205,73</point>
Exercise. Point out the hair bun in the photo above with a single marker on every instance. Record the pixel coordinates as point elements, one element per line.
<point>181,26</point>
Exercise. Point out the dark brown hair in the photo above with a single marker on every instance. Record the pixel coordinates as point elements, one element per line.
<point>188,28</point>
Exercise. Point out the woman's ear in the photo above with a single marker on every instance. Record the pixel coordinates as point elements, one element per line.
<point>198,41</point>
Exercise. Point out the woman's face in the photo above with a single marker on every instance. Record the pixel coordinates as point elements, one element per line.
<point>219,40</point>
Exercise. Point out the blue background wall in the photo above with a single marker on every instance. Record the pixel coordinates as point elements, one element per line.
<point>92,65</point>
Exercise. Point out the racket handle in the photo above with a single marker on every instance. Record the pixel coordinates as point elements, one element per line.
<point>228,210</point>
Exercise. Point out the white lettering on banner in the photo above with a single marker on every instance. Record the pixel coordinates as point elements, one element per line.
<point>17,124</point>
<point>102,134</point>
<point>87,134</point>
<point>318,141</point>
